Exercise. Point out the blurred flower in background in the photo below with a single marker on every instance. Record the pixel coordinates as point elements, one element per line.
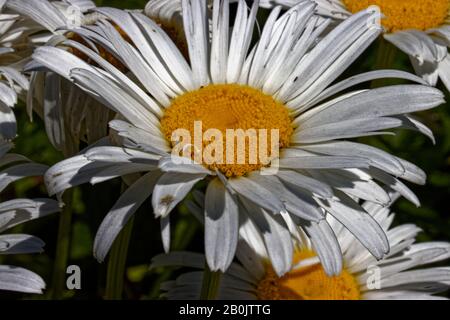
<point>419,28</point>
<point>402,275</point>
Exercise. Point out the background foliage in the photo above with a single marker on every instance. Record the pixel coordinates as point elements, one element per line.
<point>92,203</point>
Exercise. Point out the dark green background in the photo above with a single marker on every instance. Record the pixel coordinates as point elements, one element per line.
<point>92,203</point>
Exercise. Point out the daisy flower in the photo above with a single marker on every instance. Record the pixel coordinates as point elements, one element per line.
<point>19,34</point>
<point>282,83</point>
<point>15,212</point>
<point>419,28</point>
<point>404,274</point>
<point>69,115</point>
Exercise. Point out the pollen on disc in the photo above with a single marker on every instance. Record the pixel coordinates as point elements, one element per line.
<point>406,14</point>
<point>308,283</point>
<point>230,107</point>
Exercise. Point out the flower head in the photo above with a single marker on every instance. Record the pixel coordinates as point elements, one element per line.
<point>403,274</point>
<point>282,83</point>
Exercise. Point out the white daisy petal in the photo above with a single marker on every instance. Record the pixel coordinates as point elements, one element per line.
<point>262,50</point>
<point>122,211</point>
<point>322,162</point>
<point>364,77</point>
<point>415,44</point>
<point>298,31</point>
<point>374,104</point>
<point>326,245</point>
<point>353,185</point>
<point>165,232</point>
<point>17,211</point>
<point>394,184</point>
<point>131,88</point>
<point>219,44</point>
<point>20,280</point>
<point>182,165</point>
<point>125,21</point>
<point>441,274</point>
<point>256,193</point>
<point>240,40</point>
<point>413,173</point>
<point>399,295</point>
<point>345,129</point>
<point>20,171</point>
<point>8,125</point>
<point>276,237</point>
<point>59,61</point>
<point>250,260</point>
<point>221,226</point>
<point>42,11</point>
<point>444,72</point>
<point>137,64</point>
<point>172,56</point>
<point>115,97</point>
<point>196,29</point>
<point>378,158</point>
<point>413,124</point>
<point>120,155</point>
<point>326,51</point>
<point>339,66</point>
<point>54,122</point>
<point>171,189</point>
<point>317,187</point>
<point>20,244</point>
<point>140,139</point>
<point>360,224</point>
<point>78,170</point>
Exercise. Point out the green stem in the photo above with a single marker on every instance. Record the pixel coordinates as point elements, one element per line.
<point>62,247</point>
<point>117,262</point>
<point>210,285</point>
<point>385,59</point>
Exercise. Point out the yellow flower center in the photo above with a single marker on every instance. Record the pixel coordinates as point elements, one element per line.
<point>308,283</point>
<point>228,110</point>
<point>406,14</point>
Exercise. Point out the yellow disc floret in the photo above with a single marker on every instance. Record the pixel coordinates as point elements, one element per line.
<point>406,14</point>
<point>224,108</point>
<point>308,283</point>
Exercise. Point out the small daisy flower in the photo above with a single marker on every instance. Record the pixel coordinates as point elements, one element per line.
<point>69,115</point>
<point>419,28</point>
<point>22,28</point>
<point>403,274</point>
<point>282,83</point>
<point>15,212</point>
